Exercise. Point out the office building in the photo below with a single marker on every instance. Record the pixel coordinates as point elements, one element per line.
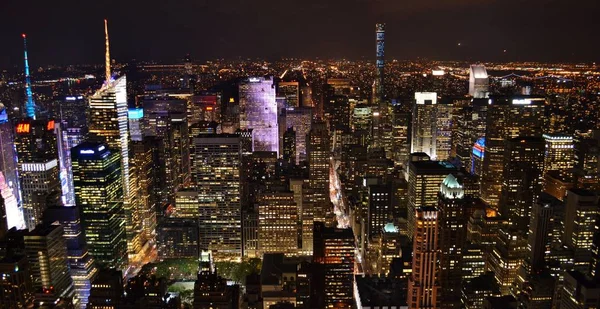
<point>258,111</point>
<point>289,146</point>
<point>319,152</point>
<point>424,282</point>
<point>212,291</point>
<point>379,211</point>
<point>581,212</point>
<point>278,225</point>
<point>334,250</point>
<point>401,126</point>
<point>300,120</point>
<point>82,264</point>
<point>506,258</point>
<point>107,290</point>
<point>178,238</point>
<point>478,81</point>
<point>46,251</point>
<point>424,124</point>
<point>424,180</point>
<point>559,153</point>
<point>36,146</point>
<point>217,157</point>
<point>135,118</point>
<point>452,223</point>
<point>8,168</point>
<point>522,180</point>
<point>142,157</point>
<point>507,118</point>
<point>96,168</point>
<point>579,291</point>
<point>16,289</point>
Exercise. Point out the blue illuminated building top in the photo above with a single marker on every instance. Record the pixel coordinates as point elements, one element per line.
<point>3,116</point>
<point>135,113</point>
<point>479,148</point>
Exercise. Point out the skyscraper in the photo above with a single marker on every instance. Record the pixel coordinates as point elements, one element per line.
<point>424,125</point>
<point>452,233</point>
<point>278,225</point>
<point>81,263</point>
<point>559,154</point>
<point>9,186</point>
<point>258,111</point>
<point>36,146</point>
<point>319,153</point>
<point>46,250</point>
<point>29,105</point>
<point>334,249</point>
<point>424,180</point>
<point>478,81</point>
<point>98,169</point>
<point>300,120</point>
<point>522,180</point>
<point>216,173</point>
<point>380,62</point>
<point>507,117</point>
<point>581,211</point>
<point>424,282</point>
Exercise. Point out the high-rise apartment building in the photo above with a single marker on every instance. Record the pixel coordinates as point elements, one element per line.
<point>96,168</point>
<point>258,111</point>
<point>507,117</point>
<point>216,173</point>
<point>424,282</point>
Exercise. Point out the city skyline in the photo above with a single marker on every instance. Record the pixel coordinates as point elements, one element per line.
<point>478,31</point>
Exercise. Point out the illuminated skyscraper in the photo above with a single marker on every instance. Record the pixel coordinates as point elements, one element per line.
<point>8,155</point>
<point>165,119</point>
<point>278,225</point>
<point>452,233</point>
<point>522,180</point>
<point>81,263</point>
<point>289,146</point>
<point>29,105</point>
<point>424,125</point>
<point>424,282</point>
<point>424,180</point>
<point>581,212</point>
<point>142,159</point>
<point>334,249</point>
<point>46,250</point>
<point>216,173</point>
<point>136,127</point>
<point>507,256</point>
<point>300,120</point>
<point>559,154</point>
<point>507,117</point>
<point>401,126</point>
<point>98,169</point>
<point>35,142</point>
<point>258,111</point>
<point>478,81</point>
<point>380,62</point>
<point>319,153</point>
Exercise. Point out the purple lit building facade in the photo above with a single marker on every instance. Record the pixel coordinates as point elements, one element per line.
<point>258,111</point>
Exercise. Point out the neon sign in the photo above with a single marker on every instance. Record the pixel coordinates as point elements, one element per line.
<point>50,125</point>
<point>521,101</point>
<point>23,128</point>
<point>87,151</point>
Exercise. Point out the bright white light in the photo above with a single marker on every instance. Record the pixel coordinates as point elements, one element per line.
<point>521,101</point>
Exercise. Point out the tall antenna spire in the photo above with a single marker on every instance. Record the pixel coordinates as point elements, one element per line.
<point>107,56</point>
<point>29,106</point>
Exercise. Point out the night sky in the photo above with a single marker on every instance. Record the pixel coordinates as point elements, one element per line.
<point>71,31</point>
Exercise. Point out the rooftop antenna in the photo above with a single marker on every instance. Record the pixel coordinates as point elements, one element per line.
<point>107,56</point>
<point>30,105</point>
